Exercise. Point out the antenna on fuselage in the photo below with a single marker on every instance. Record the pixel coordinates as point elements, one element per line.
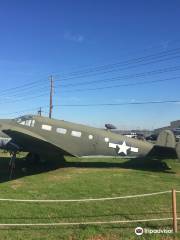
<point>40,111</point>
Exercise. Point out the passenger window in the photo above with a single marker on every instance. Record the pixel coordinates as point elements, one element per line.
<point>90,137</point>
<point>32,123</point>
<point>76,134</point>
<point>28,123</point>
<point>61,130</point>
<point>46,127</point>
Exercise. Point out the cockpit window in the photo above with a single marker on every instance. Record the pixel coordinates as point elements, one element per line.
<point>26,121</point>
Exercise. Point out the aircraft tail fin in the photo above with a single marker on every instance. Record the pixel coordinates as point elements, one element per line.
<point>166,139</point>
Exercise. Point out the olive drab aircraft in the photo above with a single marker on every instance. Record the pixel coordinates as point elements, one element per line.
<point>47,138</point>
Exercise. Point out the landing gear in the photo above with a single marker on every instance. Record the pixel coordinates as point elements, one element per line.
<point>12,164</point>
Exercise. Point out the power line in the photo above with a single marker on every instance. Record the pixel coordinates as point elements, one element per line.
<point>114,79</point>
<point>28,91</point>
<point>26,85</point>
<point>34,84</point>
<point>124,85</point>
<point>30,86</point>
<point>25,98</point>
<point>122,77</point>
<point>117,70</point>
<point>96,88</point>
<point>159,47</point>
<point>118,78</point>
<point>100,105</point>
<point>117,104</point>
<point>127,62</point>
<point>105,70</point>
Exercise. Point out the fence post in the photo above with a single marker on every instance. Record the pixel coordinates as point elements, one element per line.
<point>174,212</point>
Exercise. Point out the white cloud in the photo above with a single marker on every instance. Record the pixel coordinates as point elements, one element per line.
<point>79,38</point>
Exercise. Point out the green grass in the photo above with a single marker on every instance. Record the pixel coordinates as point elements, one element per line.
<point>86,178</point>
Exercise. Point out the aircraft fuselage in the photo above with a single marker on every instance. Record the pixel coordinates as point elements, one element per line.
<point>49,136</point>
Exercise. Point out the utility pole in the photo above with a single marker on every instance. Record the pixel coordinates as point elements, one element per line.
<point>40,111</point>
<point>51,97</point>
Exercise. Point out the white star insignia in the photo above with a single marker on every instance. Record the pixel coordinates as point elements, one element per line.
<point>123,148</point>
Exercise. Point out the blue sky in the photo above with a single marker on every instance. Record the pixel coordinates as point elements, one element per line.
<point>41,37</point>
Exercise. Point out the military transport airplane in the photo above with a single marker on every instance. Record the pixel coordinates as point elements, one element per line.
<point>47,138</point>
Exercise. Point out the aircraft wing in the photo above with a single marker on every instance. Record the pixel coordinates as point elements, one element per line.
<point>29,141</point>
